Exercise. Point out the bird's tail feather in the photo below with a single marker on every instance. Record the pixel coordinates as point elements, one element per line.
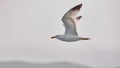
<point>84,38</point>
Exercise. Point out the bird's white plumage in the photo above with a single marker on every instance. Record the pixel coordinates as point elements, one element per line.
<point>70,27</point>
<point>69,20</point>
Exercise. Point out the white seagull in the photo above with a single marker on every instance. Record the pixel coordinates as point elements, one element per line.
<point>69,20</point>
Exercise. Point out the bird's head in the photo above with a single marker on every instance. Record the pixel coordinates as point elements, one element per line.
<point>56,36</point>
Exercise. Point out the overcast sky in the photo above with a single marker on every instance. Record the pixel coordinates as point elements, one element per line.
<point>27,25</point>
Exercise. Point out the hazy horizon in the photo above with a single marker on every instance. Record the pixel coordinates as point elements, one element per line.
<point>27,25</point>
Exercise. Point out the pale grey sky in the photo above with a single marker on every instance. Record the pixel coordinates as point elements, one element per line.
<point>27,25</point>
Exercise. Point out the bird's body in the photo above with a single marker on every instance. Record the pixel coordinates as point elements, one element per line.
<point>69,20</point>
<point>68,38</point>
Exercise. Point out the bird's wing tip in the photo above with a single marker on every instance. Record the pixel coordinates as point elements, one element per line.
<point>72,12</point>
<point>77,7</point>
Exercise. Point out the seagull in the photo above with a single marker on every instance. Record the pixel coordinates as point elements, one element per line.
<point>69,21</point>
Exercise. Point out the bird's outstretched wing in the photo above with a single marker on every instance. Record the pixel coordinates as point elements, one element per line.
<point>69,20</point>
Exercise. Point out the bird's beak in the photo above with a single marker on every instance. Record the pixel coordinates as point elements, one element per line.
<point>53,37</point>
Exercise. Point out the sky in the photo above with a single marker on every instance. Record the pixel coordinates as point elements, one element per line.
<point>27,25</point>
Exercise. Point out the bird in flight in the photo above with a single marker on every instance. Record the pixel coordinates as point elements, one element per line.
<point>69,21</point>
